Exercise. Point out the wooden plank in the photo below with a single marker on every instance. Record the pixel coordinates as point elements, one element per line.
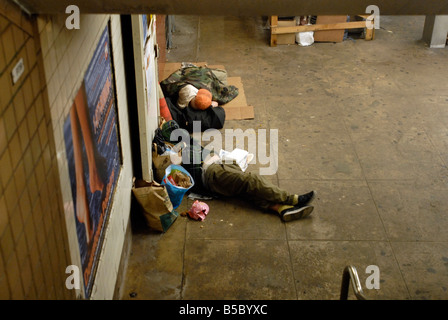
<point>364,16</point>
<point>370,33</point>
<point>319,27</point>
<point>273,22</point>
<point>276,30</point>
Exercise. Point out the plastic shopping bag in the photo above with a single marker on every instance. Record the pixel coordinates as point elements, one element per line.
<point>175,189</point>
<point>305,39</point>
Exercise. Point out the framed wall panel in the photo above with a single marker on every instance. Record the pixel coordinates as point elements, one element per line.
<point>93,155</point>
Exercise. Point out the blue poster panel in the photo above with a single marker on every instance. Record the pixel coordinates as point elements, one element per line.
<point>93,156</point>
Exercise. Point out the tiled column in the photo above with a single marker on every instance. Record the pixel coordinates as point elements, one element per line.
<point>435,31</point>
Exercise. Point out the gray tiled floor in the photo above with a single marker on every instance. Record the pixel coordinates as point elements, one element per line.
<point>363,123</point>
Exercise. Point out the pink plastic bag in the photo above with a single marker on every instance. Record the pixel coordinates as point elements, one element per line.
<point>198,210</point>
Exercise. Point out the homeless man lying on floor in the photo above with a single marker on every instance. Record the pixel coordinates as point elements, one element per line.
<point>229,180</point>
<point>214,176</point>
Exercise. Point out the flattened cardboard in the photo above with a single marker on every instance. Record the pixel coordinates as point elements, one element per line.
<point>329,35</point>
<point>171,67</point>
<point>237,109</point>
<point>287,38</point>
<point>240,99</point>
<point>239,113</point>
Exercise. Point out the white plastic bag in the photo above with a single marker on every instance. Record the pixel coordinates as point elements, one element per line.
<point>305,38</point>
<point>242,157</point>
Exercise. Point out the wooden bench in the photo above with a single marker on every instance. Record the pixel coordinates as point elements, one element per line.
<point>275,29</point>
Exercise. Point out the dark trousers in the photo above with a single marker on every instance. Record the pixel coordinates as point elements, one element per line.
<point>230,180</point>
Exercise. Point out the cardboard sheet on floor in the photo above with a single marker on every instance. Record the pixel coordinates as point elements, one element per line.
<point>237,109</point>
<point>171,67</point>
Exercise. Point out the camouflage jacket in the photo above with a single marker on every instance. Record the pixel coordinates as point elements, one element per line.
<point>199,77</point>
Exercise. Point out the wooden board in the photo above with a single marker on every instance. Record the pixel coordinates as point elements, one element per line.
<point>317,27</point>
<point>276,30</point>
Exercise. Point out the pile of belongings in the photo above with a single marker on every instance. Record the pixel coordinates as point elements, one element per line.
<point>214,80</point>
<point>190,154</point>
<point>179,179</point>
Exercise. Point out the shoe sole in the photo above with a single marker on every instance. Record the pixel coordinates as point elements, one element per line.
<point>298,213</point>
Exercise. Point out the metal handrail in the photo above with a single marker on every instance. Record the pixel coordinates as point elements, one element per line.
<point>351,275</point>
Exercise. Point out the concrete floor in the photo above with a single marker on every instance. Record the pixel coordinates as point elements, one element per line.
<point>365,124</point>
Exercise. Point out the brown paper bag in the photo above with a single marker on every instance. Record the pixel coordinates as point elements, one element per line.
<point>155,203</point>
<point>160,162</point>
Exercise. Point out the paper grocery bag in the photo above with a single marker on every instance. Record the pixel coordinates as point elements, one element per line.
<point>155,204</point>
<point>161,162</point>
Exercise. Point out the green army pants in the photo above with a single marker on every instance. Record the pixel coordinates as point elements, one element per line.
<point>230,180</point>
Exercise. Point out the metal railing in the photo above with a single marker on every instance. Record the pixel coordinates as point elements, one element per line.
<point>350,275</point>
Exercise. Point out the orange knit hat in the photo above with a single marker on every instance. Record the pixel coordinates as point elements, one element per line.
<point>203,99</point>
